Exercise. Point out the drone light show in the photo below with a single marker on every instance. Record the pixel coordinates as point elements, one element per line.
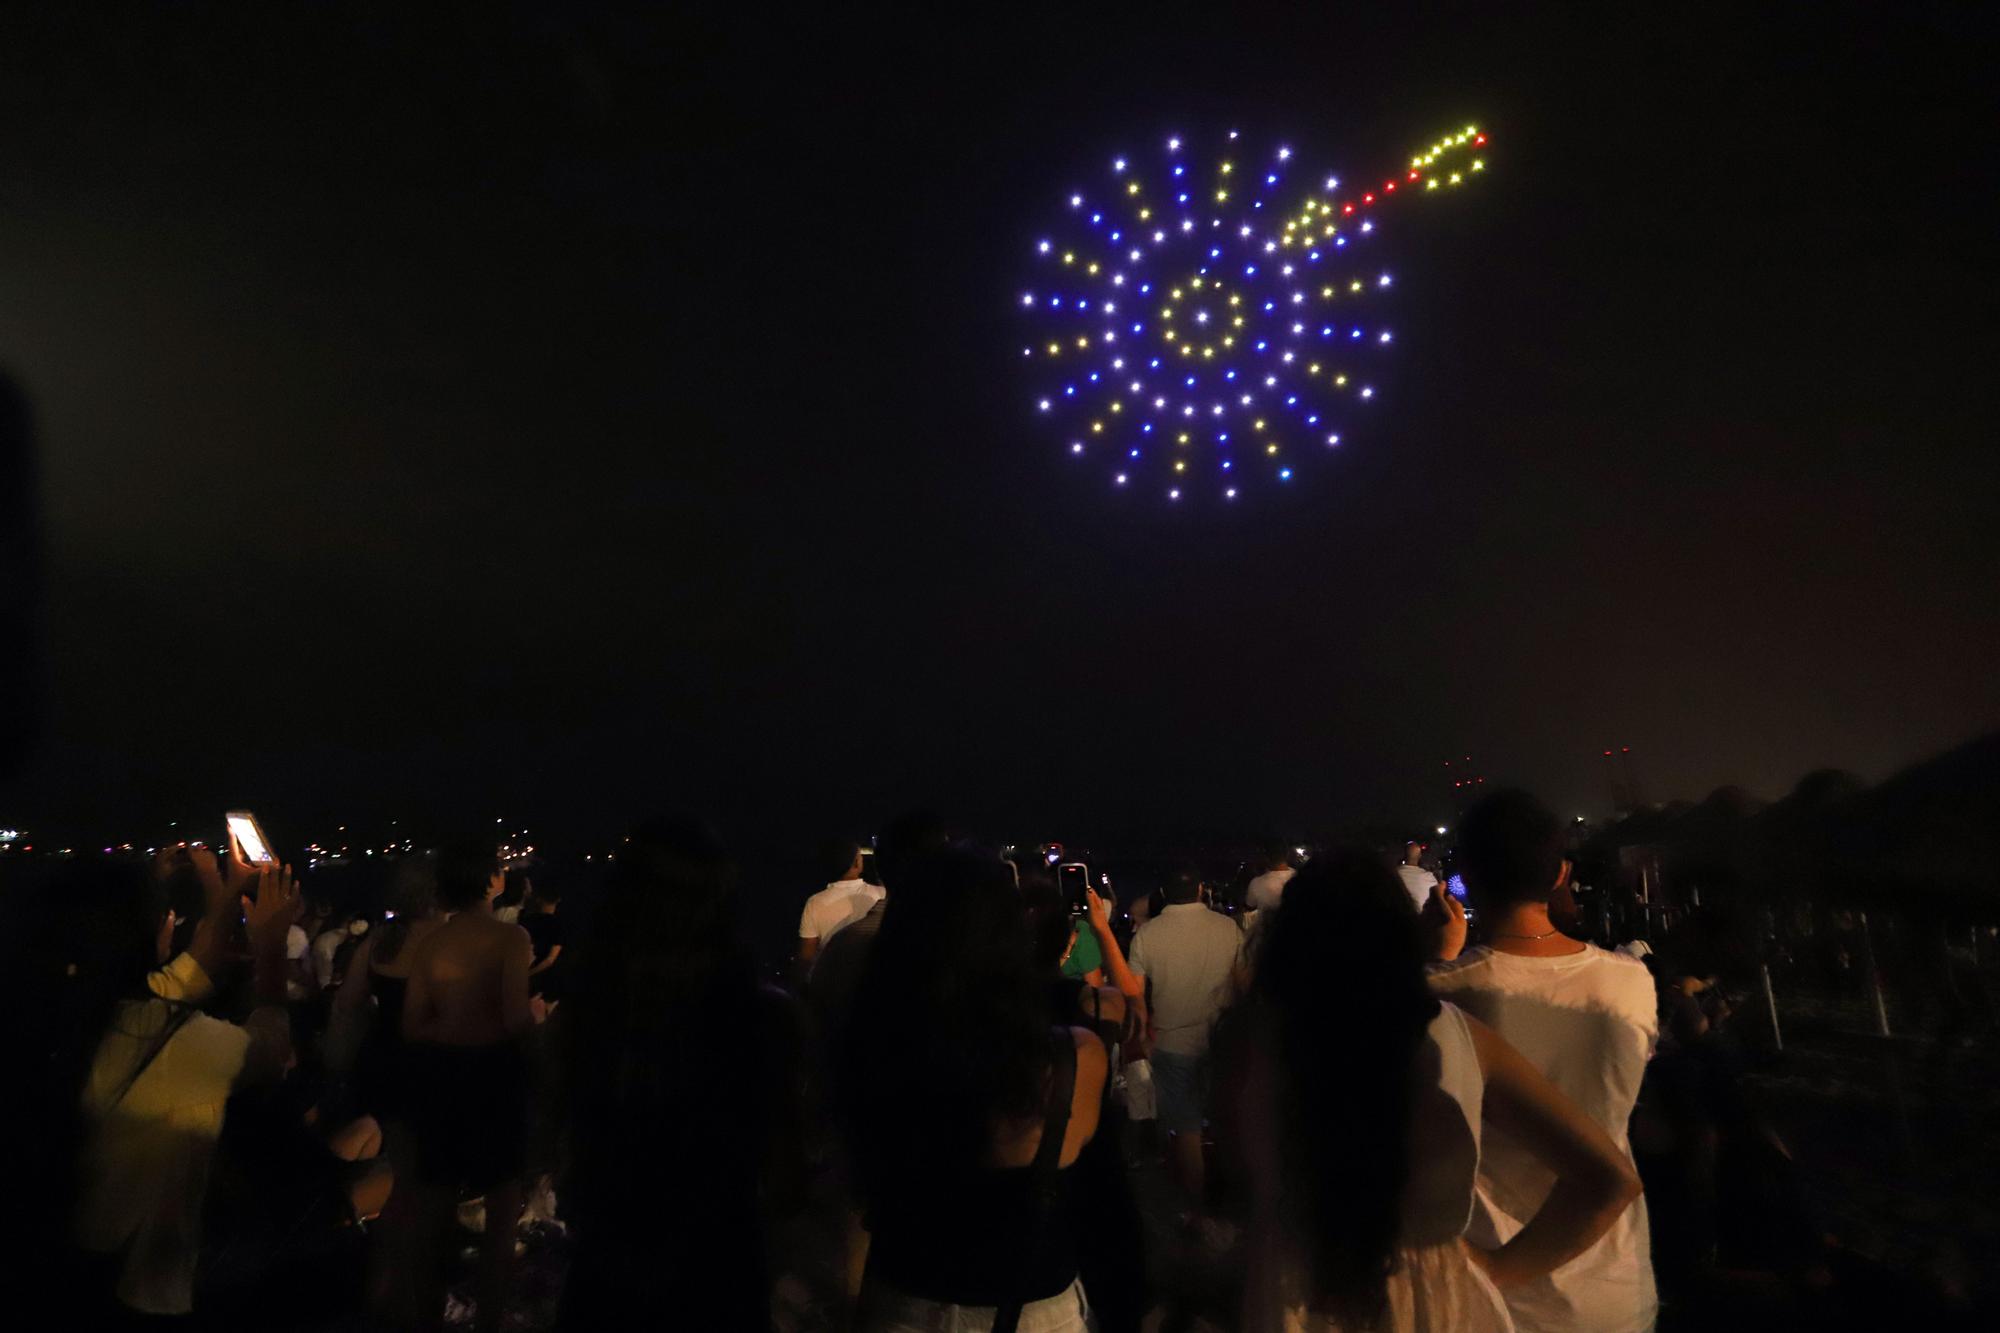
<point>1205,324</point>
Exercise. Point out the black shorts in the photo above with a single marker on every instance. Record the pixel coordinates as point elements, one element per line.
<point>468,1106</point>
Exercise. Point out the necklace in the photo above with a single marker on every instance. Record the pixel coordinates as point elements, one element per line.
<point>1503,935</point>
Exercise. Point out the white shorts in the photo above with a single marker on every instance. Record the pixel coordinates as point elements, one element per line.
<point>886,1310</point>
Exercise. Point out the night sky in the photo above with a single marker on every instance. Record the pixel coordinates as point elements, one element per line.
<point>572,416</point>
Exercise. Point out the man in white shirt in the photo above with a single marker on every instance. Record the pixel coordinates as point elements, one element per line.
<point>1191,959</point>
<point>1587,1019</point>
<point>840,904</point>
<point>1268,888</point>
<point>1417,881</point>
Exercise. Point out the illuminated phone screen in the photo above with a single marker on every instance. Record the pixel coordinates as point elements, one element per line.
<point>243,828</point>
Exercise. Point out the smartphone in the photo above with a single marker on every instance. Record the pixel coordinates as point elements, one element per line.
<point>249,837</point>
<point>1073,879</point>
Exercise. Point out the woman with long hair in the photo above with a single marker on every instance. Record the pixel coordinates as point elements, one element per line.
<point>1360,1099</point>
<point>966,1109</point>
<point>684,1091</point>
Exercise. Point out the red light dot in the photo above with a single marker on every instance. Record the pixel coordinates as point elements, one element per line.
<point>1347,208</point>
<point>1367,198</point>
<point>1390,186</point>
<point>1415,174</point>
<point>1479,141</point>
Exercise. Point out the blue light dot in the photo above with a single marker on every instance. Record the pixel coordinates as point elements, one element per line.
<point>1226,465</point>
<point>1093,377</point>
<point>1179,169</point>
<point>1229,374</point>
<point>1146,429</point>
<point>1355,334</point>
<point>1135,453</point>
<point>1340,240</point>
<point>1222,438</point>
<point>1154,364</point>
<point>1096,218</point>
<point>1260,347</point>
<point>1292,401</point>
<point>1069,390</point>
<point>1284,474</point>
<point>1326,332</point>
<point>1270,180</point>
<point>1313,420</point>
<point>1114,236</point>
<point>1055,301</point>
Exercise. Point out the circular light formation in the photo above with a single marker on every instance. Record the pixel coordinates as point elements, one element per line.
<point>1193,313</point>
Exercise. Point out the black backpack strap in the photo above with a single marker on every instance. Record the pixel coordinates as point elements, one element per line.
<point>1048,1161</point>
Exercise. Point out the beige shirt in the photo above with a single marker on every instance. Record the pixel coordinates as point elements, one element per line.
<point>147,1153</point>
<point>1189,954</point>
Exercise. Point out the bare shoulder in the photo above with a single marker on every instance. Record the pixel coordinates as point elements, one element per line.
<point>1093,1062</point>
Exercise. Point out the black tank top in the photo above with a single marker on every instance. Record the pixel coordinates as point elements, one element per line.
<point>958,1238</point>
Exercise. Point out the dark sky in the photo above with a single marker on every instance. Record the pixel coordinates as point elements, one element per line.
<point>576,416</point>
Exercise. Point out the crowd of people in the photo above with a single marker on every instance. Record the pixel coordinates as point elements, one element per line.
<point>248,1108</point>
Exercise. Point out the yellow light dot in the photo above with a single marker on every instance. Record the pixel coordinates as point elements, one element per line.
<point>1479,164</point>
<point>1258,424</point>
<point>1068,258</point>
<point>1180,465</point>
<point>1416,161</point>
<point>1145,213</point>
<point>1285,240</point>
<point>1236,300</point>
<point>1456,178</point>
<point>1271,448</point>
<point>1230,342</point>
<point>1329,231</point>
<point>1353,286</point>
<point>1097,427</point>
<point>1208,351</point>
<point>1184,438</point>
<point>1132,187</point>
<point>1166,312</point>
<point>1326,292</point>
<point>1226,168</point>
<point>1431,184</point>
<point>1313,369</point>
<point>1340,381</point>
<point>1169,335</point>
<point>1221,196</point>
<point>1194,282</point>
<point>1083,342</point>
<point>1237,322</point>
<point>1177,294</point>
<point>1117,406</point>
<point>1053,349</point>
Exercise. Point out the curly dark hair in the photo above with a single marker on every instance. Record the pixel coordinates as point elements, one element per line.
<point>1340,978</point>
<point>950,1027</point>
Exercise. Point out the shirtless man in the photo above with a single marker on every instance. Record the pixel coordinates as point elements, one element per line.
<point>466,1008</point>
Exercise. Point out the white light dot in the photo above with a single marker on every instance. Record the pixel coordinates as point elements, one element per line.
<point>1076,201</point>
<point>1383,281</point>
<point>1076,446</point>
<point>1118,165</point>
<point>1121,479</point>
<point>1384,337</point>
<point>1027,298</point>
<point>1043,247</point>
<point>1044,404</point>
<point>1367,393</point>
<point>1284,154</point>
<point>1173,145</point>
<point>1173,495</point>
<point>1230,493</point>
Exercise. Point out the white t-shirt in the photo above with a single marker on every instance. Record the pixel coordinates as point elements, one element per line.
<point>838,905</point>
<point>1266,890</point>
<point>1188,953</point>
<point>1418,883</point>
<point>1588,1022</point>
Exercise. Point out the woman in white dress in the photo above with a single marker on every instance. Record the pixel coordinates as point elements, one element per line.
<point>1358,1101</point>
